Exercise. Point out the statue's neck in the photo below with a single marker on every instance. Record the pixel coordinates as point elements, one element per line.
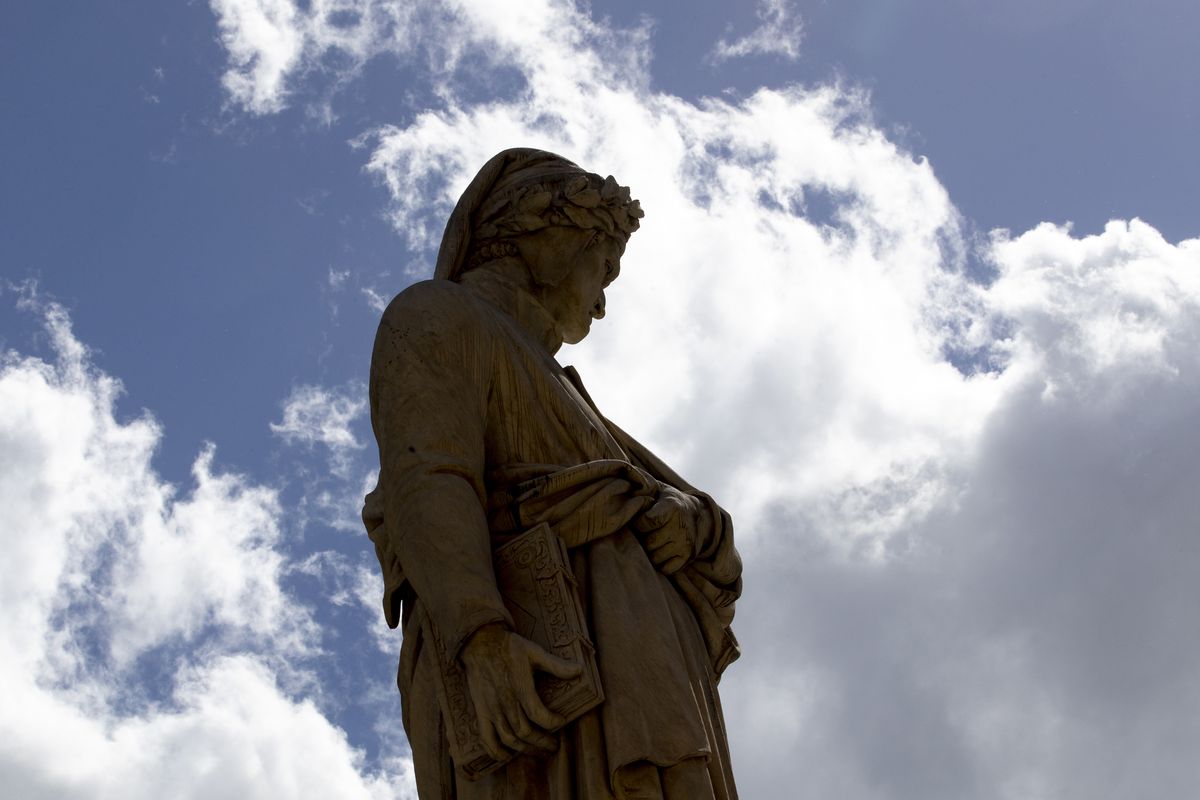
<point>499,287</point>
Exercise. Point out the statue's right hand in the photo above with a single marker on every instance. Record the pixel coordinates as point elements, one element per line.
<point>499,666</point>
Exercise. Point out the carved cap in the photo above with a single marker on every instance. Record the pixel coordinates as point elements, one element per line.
<point>521,190</point>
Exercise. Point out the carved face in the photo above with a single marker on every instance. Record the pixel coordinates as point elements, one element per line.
<point>579,298</point>
<point>584,263</point>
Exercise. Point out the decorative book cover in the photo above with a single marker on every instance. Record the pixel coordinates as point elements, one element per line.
<point>538,587</point>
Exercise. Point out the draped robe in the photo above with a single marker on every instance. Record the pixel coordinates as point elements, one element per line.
<point>466,401</point>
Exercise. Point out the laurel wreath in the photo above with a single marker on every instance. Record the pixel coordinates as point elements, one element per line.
<point>586,201</point>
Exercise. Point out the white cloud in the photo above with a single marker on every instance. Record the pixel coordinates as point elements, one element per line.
<point>835,323</point>
<point>339,281</point>
<point>1086,306</point>
<point>270,43</point>
<point>962,583</point>
<point>1031,644</point>
<point>779,34</point>
<point>231,733</point>
<point>799,372</point>
<point>337,278</point>
<point>105,570</point>
<point>355,585</point>
<point>375,301</point>
<point>210,559</point>
<point>334,490</point>
<point>316,415</point>
<point>265,42</point>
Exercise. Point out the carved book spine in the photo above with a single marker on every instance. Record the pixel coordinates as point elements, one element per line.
<point>539,590</point>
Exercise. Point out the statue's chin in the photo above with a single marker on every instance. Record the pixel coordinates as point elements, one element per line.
<point>577,335</point>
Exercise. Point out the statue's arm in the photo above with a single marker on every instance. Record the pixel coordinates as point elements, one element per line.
<point>714,554</point>
<point>429,384</point>
<point>711,579</point>
<point>430,380</point>
<point>706,544</point>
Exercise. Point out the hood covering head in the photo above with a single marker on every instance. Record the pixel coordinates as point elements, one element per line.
<point>522,190</point>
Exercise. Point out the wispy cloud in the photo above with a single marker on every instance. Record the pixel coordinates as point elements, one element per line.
<point>779,34</point>
<point>265,40</point>
<point>355,584</point>
<point>324,418</point>
<point>315,415</point>
<point>337,278</point>
<point>271,44</point>
<point>375,301</point>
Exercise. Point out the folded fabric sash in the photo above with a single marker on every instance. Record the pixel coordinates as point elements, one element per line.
<point>582,503</point>
<point>594,500</point>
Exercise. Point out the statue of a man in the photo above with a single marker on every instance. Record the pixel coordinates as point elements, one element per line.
<point>467,401</point>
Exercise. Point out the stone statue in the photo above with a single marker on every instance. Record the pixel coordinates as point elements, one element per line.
<point>468,402</point>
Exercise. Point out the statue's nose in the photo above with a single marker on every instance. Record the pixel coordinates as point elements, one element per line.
<point>598,309</point>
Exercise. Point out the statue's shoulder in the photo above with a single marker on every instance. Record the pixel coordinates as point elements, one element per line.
<point>425,296</point>
<point>432,306</point>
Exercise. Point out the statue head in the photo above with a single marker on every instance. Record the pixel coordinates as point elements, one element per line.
<point>566,229</point>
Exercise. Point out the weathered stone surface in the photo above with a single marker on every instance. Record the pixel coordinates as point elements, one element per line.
<point>483,435</point>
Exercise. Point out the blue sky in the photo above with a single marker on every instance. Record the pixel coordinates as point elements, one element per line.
<point>917,297</point>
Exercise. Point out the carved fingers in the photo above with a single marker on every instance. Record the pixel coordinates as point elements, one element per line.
<point>514,728</point>
<point>528,716</point>
<point>488,733</point>
<point>670,530</point>
<point>512,717</point>
<point>669,549</point>
<point>545,661</point>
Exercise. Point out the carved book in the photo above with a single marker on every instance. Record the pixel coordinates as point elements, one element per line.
<point>538,588</point>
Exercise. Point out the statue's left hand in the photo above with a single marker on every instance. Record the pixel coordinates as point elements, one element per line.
<point>500,666</point>
<point>670,527</point>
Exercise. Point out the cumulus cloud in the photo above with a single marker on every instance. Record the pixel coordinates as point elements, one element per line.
<point>836,319</point>
<point>1035,644</point>
<point>778,34</point>
<point>1090,305</point>
<point>113,583</point>
<point>967,508</point>
<point>232,733</point>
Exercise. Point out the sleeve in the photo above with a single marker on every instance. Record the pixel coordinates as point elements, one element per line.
<point>717,557</point>
<point>430,376</point>
<point>712,582</point>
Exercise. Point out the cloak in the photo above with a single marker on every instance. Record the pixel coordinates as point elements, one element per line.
<point>466,402</point>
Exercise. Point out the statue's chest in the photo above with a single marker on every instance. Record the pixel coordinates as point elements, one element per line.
<point>536,415</point>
